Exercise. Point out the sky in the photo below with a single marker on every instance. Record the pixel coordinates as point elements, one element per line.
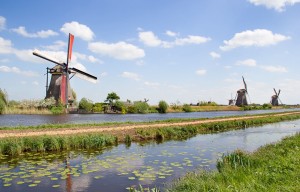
<point>173,50</point>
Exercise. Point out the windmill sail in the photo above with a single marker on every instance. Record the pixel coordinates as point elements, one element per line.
<point>83,75</point>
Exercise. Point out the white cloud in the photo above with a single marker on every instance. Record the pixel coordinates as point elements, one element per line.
<point>16,70</point>
<point>57,46</point>
<point>151,84</point>
<point>78,30</point>
<point>2,23</point>
<point>171,33</point>
<point>40,34</point>
<point>151,40</point>
<point>247,62</point>
<point>120,50</point>
<point>93,59</point>
<point>130,75</point>
<point>257,37</point>
<point>5,46</point>
<point>274,69</point>
<point>201,72</point>
<point>214,55</point>
<point>278,5</point>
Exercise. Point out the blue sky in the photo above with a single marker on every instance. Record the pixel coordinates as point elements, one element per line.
<point>186,51</point>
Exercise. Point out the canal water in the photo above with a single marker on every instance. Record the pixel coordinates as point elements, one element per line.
<point>119,167</point>
<point>16,120</point>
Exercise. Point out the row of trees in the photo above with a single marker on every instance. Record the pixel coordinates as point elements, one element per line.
<point>112,104</point>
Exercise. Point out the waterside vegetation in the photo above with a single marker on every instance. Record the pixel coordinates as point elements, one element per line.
<point>274,167</point>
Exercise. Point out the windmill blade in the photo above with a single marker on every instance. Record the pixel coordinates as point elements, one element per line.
<point>83,75</point>
<point>245,85</point>
<point>276,91</point>
<point>280,101</point>
<point>47,57</point>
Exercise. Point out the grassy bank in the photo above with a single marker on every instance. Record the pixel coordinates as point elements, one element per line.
<point>18,145</point>
<point>274,167</point>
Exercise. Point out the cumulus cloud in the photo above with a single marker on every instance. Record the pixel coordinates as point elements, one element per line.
<point>201,72</point>
<point>274,69</point>
<point>2,23</point>
<point>40,34</point>
<point>120,50</point>
<point>16,70</point>
<point>130,75</point>
<point>247,62</point>
<point>78,30</point>
<point>151,40</point>
<point>171,33</point>
<point>214,55</point>
<point>257,37</point>
<point>5,46</point>
<point>278,5</point>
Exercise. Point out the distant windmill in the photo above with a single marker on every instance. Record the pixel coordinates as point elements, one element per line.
<point>59,87</point>
<point>231,101</point>
<point>275,98</point>
<point>241,98</point>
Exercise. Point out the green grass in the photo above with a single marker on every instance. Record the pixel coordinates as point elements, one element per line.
<point>274,167</point>
<point>16,146</point>
<point>184,132</point>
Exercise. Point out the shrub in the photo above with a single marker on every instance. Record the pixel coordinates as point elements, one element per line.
<point>98,107</point>
<point>86,105</point>
<point>162,107</point>
<point>2,106</point>
<point>187,108</point>
<point>120,106</point>
<point>141,107</point>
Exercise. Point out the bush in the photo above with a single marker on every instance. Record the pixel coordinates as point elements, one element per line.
<point>141,107</point>
<point>57,110</point>
<point>120,106</point>
<point>98,107</point>
<point>162,107</point>
<point>187,108</point>
<point>86,105</point>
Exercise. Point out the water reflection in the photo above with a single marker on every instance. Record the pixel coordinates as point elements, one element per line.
<point>15,120</point>
<point>116,168</point>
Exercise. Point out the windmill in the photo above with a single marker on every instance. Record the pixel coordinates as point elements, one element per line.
<point>275,98</point>
<point>241,98</point>
<point>59,87</point>
<point>231,101</point>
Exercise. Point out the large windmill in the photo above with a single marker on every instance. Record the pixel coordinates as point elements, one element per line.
<point>59,87</point>
<point>241,98</point>
<point>275,98</point>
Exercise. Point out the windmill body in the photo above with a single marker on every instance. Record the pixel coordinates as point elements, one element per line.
<point>241,98</point>
<point>275,98</point>
<point>55,88</point>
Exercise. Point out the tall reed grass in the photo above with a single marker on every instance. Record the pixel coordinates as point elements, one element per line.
<point>16,146</point>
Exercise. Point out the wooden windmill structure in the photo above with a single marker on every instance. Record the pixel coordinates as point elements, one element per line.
<point>275,98</point>
<point>241,98</point>
<point>59,87</point>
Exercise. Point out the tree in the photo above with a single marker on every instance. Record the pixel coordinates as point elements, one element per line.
<point>162,107</point>
<point>111,97</point>
<point>3,101</point>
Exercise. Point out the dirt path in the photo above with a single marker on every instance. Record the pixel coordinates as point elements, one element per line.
<point>120,130</point>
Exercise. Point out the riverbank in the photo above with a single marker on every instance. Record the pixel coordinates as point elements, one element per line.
<point>274,167</point>
<point>15,141</point>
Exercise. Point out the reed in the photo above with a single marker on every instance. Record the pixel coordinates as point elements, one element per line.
<point>16,146</point>
<point>273,167</point>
